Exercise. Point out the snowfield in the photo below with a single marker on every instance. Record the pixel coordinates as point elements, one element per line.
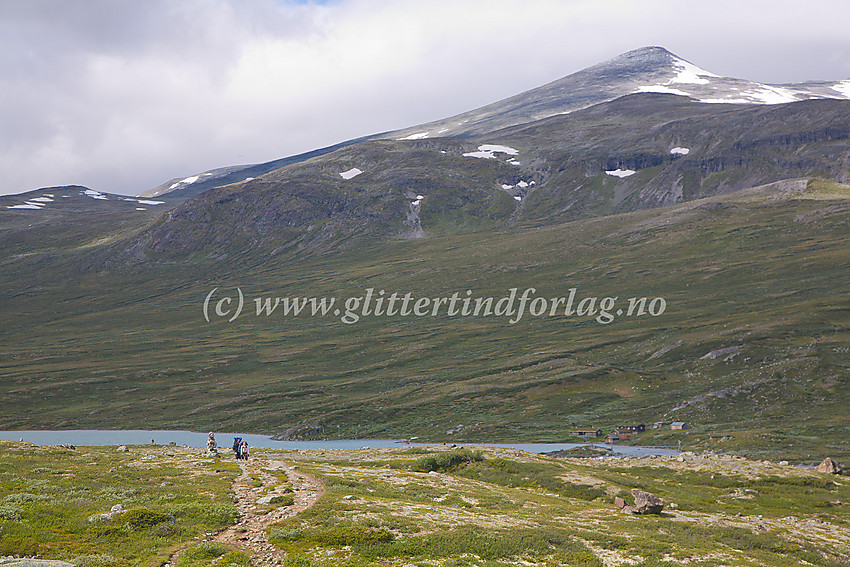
<point>843,88</point>
<point>660,89</point>
<point>351,173</point>
<point>418,136</point>
<point>690,74</point>
<point>489,151</point>
<point>95,194</point>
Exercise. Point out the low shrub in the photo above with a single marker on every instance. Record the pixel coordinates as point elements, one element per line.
<point>24,497</point>
<point>96,561</point>
<point>206,550</point>
<point>446,460</point>
<point>298,560</point>
<point>283,500</point>
<point>337,535</point>
<point>351,534</point>
<point>486,544</point>
<point>528,475</point>
<point>10,512</point>
<point>141,519</point>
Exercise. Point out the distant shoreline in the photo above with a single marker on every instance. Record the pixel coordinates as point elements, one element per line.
<point>116,437</point>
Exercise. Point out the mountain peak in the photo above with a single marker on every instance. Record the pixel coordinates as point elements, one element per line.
<point>650,59</point>
<point>646,52</point>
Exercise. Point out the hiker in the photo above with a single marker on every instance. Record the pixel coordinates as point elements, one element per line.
<point>237,444</point>
<point>244,451</point>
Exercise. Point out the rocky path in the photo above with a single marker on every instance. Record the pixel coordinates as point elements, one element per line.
<point>249,533</point>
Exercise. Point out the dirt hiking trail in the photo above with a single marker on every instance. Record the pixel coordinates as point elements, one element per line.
<point>249,532</point>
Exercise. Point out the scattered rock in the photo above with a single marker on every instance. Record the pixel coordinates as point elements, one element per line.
<point>123,449</point>
<point>646,502</point>
<point>619,503</point>
<point>828,466</point>
<point>105,516</point>
<point>730,351</point>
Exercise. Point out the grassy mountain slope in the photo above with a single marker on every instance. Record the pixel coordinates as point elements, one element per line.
<point>752,347</point>
<point>49,220</point>
<point>560,171</point>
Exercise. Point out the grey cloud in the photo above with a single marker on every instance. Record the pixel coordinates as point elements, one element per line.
<point>121,95</point>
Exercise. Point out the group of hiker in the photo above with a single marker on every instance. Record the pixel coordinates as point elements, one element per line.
<point>240,448</point>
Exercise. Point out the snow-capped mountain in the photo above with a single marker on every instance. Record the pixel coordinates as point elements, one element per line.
<point>644,70</point>
<point>648,69</point>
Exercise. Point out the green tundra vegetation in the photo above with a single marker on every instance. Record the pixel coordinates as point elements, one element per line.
<point>50,497</point>
<point>425,506</point>
<point>506,507</point>
<point>751,349</point>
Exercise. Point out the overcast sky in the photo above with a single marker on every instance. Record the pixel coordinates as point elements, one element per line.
<point>123,95</point>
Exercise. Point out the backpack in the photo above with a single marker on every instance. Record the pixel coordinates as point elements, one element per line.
<point>237,442</point>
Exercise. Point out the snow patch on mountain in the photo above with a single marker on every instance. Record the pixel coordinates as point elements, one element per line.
<point>25,206</point>
<point>680,151</point>
<point>690,74</point>
<point>842,88</point>
<point>621,172</point>
<point>351,173</point>
<point>186,181</point>
<point>761,94</point>
<point>497,148</point>
<point>146,202</point>
<point>773,95</point>
<point>660,89</point>
<point>417,136</point>
<point>686,73</point>
<point>95,194</point>
<point>520,184</point>
<point>44,199</point>
<point>727,101</point>
<point>488,151</point>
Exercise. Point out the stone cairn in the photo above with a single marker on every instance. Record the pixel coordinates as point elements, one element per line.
<point>212,446</point>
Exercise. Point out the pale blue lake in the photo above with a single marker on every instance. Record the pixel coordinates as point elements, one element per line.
<point>86,437</point>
